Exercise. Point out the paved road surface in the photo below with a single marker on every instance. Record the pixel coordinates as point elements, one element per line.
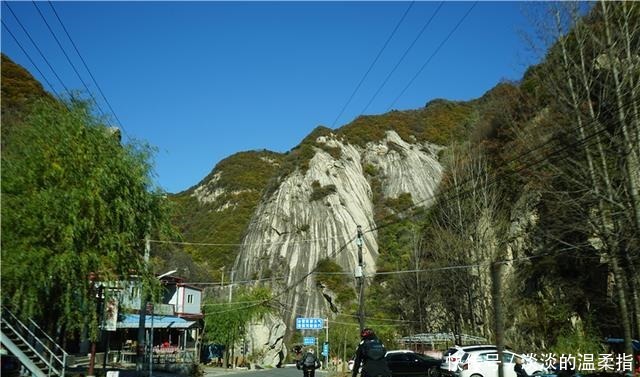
<point>271,372</point>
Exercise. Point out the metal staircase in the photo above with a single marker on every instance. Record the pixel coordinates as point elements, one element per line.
<point>32,346</point>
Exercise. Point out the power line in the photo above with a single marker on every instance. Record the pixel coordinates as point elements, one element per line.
<point>372,64</point>
<point>499,175</point>
<point>242,244</point>
<point>583,141</point>
<point>292,309</point>
<point>68,59</point>
<point>31,60</point>
<point>87,68</point>
<point>434,54</point>
<point>403,56</point>
<point>235,282</point>
<point>343,247</point>
<point>36,46</point>
<point>493,181</point>
<point>232,303</point>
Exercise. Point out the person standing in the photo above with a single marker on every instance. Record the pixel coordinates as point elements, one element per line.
<point>519,369</point>
<point>308,363</point>
<point>370,354</point>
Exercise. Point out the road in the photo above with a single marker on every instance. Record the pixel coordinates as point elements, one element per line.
<point>271,372</point>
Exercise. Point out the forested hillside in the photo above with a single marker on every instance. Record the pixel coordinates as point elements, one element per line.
<point>540,177</point>
<point>535,185</point>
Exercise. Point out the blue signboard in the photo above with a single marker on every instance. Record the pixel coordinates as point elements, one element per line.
<point>325,349</point>
<point>309,323</point>
<point>309,340</point>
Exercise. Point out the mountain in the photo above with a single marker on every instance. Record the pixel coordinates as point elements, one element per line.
<point>19,90</point>
<point>534,185</point>
<point>297,212</point>
<point>218,209</point>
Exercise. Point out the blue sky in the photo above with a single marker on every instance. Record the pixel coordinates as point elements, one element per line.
<point>203,80</point>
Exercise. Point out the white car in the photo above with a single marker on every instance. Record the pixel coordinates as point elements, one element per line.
<point>485,364</point>
<point>452,356</point>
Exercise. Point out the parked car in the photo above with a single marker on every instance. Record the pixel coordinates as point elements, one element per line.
<point>404,363</point>
<point>452,356</point>
<point>485,364</point>
<point>352,360</point>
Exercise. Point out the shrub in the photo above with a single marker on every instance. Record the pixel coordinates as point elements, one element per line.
<point>320,192</point>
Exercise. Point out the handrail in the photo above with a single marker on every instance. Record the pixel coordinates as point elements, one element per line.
<point>56,346</point>
<point>21,330</point>
<point>20,335</point>
<point>48,337</point>
<point>35,337</point>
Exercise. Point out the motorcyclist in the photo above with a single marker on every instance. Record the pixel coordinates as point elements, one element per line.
<point>371,355</point>
<point>308,363</point>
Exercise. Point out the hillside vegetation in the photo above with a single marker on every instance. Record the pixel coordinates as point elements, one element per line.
<point>241,178</point>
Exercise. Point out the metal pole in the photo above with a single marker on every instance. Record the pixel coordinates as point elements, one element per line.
<point>360,277</point>
<point>151,342</point>
<point>326,356</point>
<point>92,356</point>
<point>143,312</point>
<point>496,294</point>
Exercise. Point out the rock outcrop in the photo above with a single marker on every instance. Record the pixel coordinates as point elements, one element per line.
<point>265,341</point>
<point>313,215</point>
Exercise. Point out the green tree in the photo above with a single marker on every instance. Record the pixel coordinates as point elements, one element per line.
<point>76,204</point>
<point>225,322</point>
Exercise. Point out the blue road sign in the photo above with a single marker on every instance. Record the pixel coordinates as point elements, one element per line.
<point>309,323</point>
<point>309,340</point>
<point>325,349</point>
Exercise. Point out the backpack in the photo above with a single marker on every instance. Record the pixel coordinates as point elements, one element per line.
<point>309,360</point>
<point>375,350</point>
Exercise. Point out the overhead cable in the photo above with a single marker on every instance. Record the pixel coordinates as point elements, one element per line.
<point>31,60</point>
<point>372,64</point>
<point>64,52</point>
<point>37,48</point>
<point>424,27</point>
<point>433,54</point>
<point>87,68</point>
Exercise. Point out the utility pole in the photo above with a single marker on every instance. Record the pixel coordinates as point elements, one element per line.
<point>143,312</point>
<point>92,357</point>
<point>360,279</point>
<point>231,286</point>
<point>496,293</point>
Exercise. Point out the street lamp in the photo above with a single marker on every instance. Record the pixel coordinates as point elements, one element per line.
<point>167,274</point>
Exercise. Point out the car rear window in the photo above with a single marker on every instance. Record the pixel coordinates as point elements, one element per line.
<point>479,348</point>
<point>450,352</point>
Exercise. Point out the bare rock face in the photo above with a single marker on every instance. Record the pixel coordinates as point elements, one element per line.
<point>265,341</point>
<point>314,215</point>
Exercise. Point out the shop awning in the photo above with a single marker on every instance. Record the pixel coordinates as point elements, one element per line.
<point>132,321</point>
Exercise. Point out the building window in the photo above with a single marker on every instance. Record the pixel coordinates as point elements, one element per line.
<point>189,299</point>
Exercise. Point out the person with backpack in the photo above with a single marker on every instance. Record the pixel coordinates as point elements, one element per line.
<point>308,363</point>
<point>371,355</point>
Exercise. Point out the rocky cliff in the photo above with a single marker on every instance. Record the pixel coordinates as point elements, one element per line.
<point>313,214</point>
